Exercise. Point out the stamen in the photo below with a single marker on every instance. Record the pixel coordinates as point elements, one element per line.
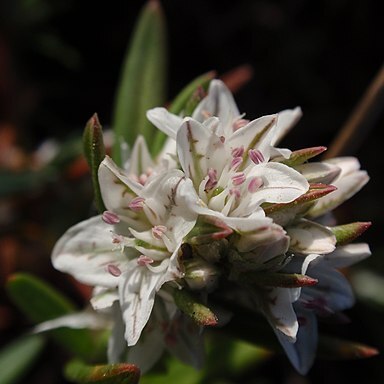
<point>158,231</point>
<point>235,192</point>
<point>206,114</point>
<point>117,239</point>
<point>212,179</point>
<point>110,217</point>
<point>236,162</point>
<point>222,139</point>
<point>254,184</point>
<point>143,178</point>
<point>114,270</point>
<point>144,260</point>
<point>136,204</point>
<point>238,178</point>
<point>238,152</point>
<point>256,156</point>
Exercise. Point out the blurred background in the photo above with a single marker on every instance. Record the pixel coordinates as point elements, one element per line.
<point>60,62</point>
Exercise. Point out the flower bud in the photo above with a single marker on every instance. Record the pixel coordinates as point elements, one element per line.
<point>200,274</point>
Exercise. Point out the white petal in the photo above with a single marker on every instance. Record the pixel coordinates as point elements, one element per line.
<point>116,342</point>
<point>166,204</point>
<point>137,291</point>
<point>302,353</point>
<point>78,320</point>
<point>165,121</point>
<point>140,160</point>
<point>332,292</point>
<point>120,175</point>
<point>220,103</point>
<point>281,184</point>
<point>349,182</point>
<point>280,312</point>
<point>308,237</point>
<point>318,172</point>
<point>347,255</point>
<point>149,348</point>
<point>192,141</point>
<point>103,298</point>
<point>285,121</point>
<point>255,135</point>
<point>86,250</point>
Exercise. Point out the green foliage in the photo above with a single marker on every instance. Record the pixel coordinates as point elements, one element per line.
<point>143,80</point>
<point>94,152</point>
<point>17,358</point>
<point>78,372</point>
<point>40,302</point>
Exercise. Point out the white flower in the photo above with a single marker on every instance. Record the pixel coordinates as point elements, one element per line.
<point>330,296</point>
<point>227,159</point>
<point>134,246</point>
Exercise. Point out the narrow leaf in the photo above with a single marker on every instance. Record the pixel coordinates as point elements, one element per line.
<point>78,372</point>
<point>348,232</point>
<point>275,279</point>
<point>301,156</point>
<point>184,103</point>
<point>18,357</point>
<point>94,152</point>
<point>40,302</point>
<point>339,349</point>
<point>142,81</point>
<point>188,304</point>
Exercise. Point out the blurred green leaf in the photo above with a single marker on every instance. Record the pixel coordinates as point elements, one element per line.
<point>18,357</point>
<point>192,307</point>
<point>40,302</point>
<point>143,80</point>
<point>331,347</point>
<point>187,98</point>
<point>78,372</point>
<point>94,152</point>
<point>177,372</point>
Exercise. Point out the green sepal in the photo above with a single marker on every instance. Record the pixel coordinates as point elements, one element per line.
<point>334,348</point>
<point>192,307</point>
<point>18,357</point>
<point>94,152</point>
<point>40,302</point>
<point>276,279</point>
<point>78,372</point>
<point>301,156</point>
<point>348,232</point>
<point>208,229</point>
<point>142,83</point>
<point>184,104</point>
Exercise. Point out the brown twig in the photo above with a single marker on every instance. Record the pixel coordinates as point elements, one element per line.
<point>361,120</point>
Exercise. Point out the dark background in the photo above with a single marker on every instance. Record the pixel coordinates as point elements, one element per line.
<point>60,62</point>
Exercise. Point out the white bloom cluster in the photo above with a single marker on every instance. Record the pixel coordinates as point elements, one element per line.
<point>224,213</point>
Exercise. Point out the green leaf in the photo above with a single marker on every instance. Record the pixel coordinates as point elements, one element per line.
<point>78,372</point>
<point>142,82</point>
<point>177,372</point>
<point>192,307</point>
<point>18,357</point>
<point>189,93</point>
<point>277,279</point>
<point>348,232</point>
<point>301,156</point>
<point>41,302</point>
<point>338,349</point>
<point>184,104</point>
<point>94,152</point>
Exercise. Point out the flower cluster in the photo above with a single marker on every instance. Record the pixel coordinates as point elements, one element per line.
<point>222,215</point>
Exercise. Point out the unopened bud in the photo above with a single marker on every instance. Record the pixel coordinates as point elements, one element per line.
<point>200,274</point>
